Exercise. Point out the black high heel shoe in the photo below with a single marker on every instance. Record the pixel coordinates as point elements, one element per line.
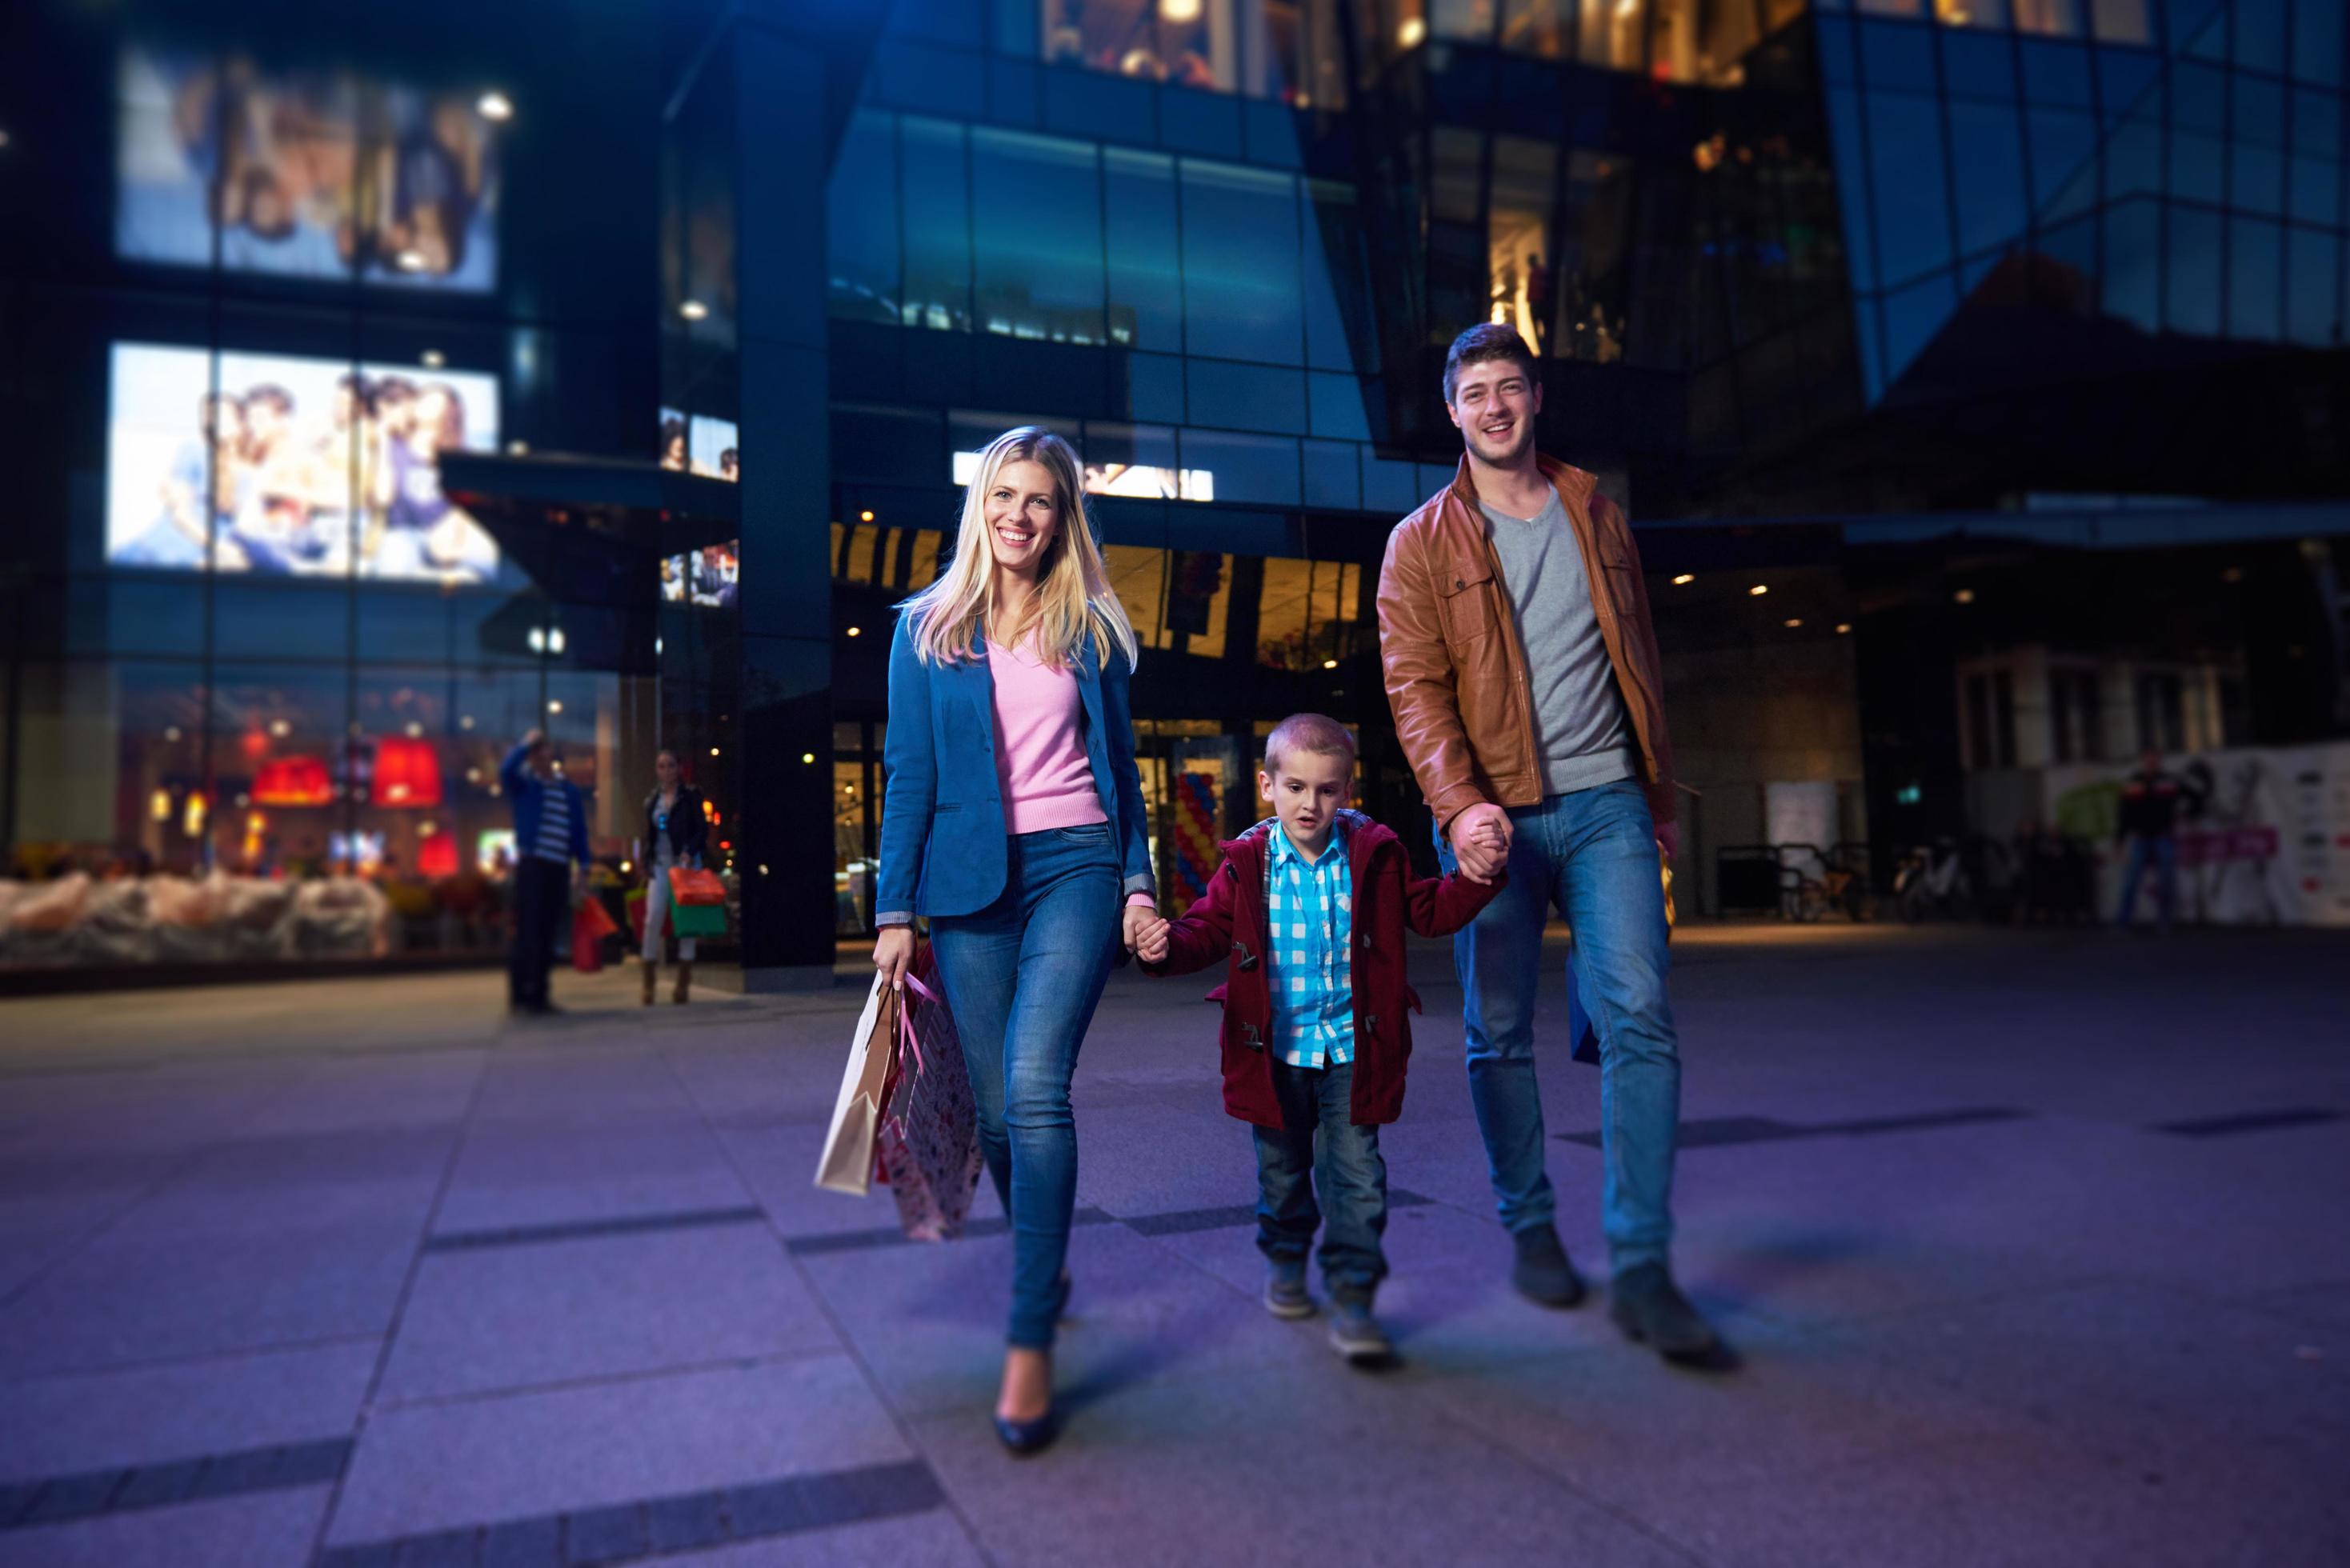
<point>1026,1438</point>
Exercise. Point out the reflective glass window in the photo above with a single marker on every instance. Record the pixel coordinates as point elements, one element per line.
<point>1912,317</point>
<point>1908,188</point>
<point>2317,41</point>
<point>1247,397</point>
<point>2122,21</point>
<point>2255,265</point>
<point>2052,18</point>
<point>861,221</point>
<point>2134,159</point>
<point>1145,282</point>
<point>1978,65</point>
<point>2257,179</point>
<point>1987,157</point>
<point>1251,468</point>
<point>2063,169</point>
<point>1338,407</point>
<point>1333,268</point>
<point>2311,289</point>
<point>2133,269</point>
<point>2316,189</point>
<point>938,225</point>
<point>2259,34</point>
<point>1976,13</point>
<point>1037,220</point>
<point>2198,166</point>
<point>1893,55</point>
<point>1240,264</point>
<point>1333,475</point>
<point>2056,73</point>
<point>2193,301</point>
<point>2317,123</point>
<point>1518,237</point>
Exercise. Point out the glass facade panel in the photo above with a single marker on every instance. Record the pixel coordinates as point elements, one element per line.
<point>1240,264</point>
<point>1037,205</point>
<point>2255,277</point>
<point>1145,250</point>
<point>2192,302</point>
<point>1908,189</point>
<point>2133,277</point>
<point>1987,159</point>
<point>937,224</point>
<point>861,230</point>
<point>2317,26</point>
<point>2311,310</point>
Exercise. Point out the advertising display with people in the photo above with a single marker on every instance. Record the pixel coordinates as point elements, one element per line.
<point>280,466</point>
<point>302,174</point>
<point>710,577</point>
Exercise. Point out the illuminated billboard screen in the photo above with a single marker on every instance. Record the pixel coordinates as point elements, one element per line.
<point>292,466</point>
<point>1136,479</point>
<point>298,173</point>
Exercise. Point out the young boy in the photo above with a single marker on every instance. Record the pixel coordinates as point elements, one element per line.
<point>1308,912</point>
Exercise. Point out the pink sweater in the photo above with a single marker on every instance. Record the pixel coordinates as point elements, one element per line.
<point>1040,749</point>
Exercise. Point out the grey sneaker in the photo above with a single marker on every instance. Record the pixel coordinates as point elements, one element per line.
<point>1357,1334</point>
<point>1542,1271</point>
<point>1284,1289</point>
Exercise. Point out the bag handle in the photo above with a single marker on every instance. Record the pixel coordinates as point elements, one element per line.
<point>907,1040</point>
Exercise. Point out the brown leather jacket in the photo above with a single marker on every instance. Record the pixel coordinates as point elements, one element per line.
<point>1456,673</point>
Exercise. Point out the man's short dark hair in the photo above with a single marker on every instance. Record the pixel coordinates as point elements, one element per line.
<point>1486,341</point>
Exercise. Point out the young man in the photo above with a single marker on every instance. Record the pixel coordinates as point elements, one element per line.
<point>2146,828</point>
<point>1522,671</point>
<point>550,865</point>
<point>1307,914</point>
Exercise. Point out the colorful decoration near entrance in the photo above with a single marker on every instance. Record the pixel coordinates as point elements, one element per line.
<point>1195,837</point>
<point>293,781</point>
<point>436,856</point>
<point>406,771</point>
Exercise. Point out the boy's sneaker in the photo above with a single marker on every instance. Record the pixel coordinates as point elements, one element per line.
<point>1542,1271</point>
<point>1357,1335</point>
<point>1284,1289</point>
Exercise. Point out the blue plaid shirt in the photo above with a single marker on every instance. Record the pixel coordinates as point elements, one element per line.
<point>1309,914</point>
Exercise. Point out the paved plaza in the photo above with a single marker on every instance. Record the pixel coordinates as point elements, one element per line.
<point>2032,1245</point>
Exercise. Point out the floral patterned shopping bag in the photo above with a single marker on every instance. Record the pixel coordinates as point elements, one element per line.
<point>928,1144</point>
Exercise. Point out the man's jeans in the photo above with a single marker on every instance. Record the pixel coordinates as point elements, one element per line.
<point>1593,854</point>
<point>2162,854</point>
<point>1348,1171</point>
<point>1023,976</point>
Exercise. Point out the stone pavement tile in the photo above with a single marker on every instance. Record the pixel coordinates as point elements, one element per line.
<point>518,1316</point>
<point>2320,1306</point>
<point>436,1467</point>
<point>259,1530</point>
<point>929,1320</point>
<point>933,1540</point>
<point>790,1079</point>
<point>1306,1463</point>
<point>508,1176</point>
<point>283,1187</point>
<point>420,1089</point>
<point>779,1162</point>
<point>1145,1160</point>
<point>121,1300</point>
<point>1446,1160</point>
<point>153,1415</point>
<point>582,1086</point>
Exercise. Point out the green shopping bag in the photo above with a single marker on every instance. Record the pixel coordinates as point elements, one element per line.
<point>697,919</point>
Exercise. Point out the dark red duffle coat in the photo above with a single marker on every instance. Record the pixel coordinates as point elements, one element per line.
<point>1228,923</point>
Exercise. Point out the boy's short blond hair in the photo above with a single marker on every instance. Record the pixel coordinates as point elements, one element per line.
<point>1315,732</point>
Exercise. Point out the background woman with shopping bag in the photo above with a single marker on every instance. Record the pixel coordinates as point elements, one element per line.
<point>1019,652</point>
<point>676,833</point>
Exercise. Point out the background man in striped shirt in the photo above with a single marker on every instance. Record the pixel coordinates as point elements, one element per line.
<point>550,865</point>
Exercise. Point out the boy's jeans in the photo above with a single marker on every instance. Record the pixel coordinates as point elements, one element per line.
<point>1592,853</point>
<point>1349,1174</point>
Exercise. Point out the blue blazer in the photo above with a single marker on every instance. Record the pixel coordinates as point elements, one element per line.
<point>942,824</point>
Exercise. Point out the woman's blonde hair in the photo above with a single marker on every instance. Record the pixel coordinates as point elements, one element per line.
<point>1072,596</point>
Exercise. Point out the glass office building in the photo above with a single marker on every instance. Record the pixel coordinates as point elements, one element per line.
<point>377,392</point>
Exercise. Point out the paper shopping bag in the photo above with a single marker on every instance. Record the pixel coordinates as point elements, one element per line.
<point>697,919</point>
<point>847,1163</point>
<point>589,926</point>
<point>929,1132</point>
<point>690,885</point>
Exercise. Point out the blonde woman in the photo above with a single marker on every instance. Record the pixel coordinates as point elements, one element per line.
<point>1019,653</point>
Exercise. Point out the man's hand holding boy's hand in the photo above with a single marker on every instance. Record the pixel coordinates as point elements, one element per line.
<point>1480,841</point>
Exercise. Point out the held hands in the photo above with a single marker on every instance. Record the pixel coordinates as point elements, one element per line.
<point>893,954</point>
<point>1146,933</point>
<point>1480,841</point>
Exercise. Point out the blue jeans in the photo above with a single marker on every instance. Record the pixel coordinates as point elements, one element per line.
<point>1349,1173</point>
<point>2162,854</point>
<point>1023,976</point>
<point>1593,854</point>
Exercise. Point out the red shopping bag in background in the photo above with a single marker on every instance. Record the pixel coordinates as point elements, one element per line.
<point>690,885</point>
<point>591,924</point>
